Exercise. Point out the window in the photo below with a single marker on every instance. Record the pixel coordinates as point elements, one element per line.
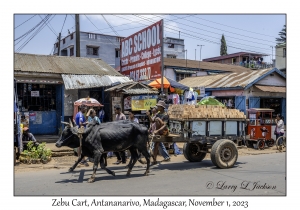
<point>182,76</point>
<point>64,41</point>
<point>71,36</point>
<point>92,36</point>
<point>171,46</point>
<point>92,50</point>
<point>284,52</point>
<point>117,53</point>
<point>72,51</point>
<point>171,56</point>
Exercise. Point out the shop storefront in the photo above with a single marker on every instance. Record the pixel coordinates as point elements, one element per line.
<point>135,97</point>
<point>41,105</point>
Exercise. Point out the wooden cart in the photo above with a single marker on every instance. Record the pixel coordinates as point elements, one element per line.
<point>259,128</point>
<point>204,131</point>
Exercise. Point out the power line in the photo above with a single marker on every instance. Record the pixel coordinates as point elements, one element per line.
<point>28,32</point>
<point>233,33</point>
<point>110,26</point>
<point>234,27</point>
<point>209,40</point>
<point>219,34</point>
<point>24,21</point>
<point>51,28</point>
<point>35,33</point>
<point>63,24</point>
<point>99,30</point>
<point>216,38</point>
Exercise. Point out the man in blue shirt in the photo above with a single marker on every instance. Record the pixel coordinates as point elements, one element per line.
<point>80,121</point>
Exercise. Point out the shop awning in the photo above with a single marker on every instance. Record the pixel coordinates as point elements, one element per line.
<point>273,89</point>
<point>91,81</point>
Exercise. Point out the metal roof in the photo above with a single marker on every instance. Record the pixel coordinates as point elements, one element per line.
<point>140,91</point>
<point>91,81</point>
<point>62,65</point>
<point>229,80</point>
<point>134,88</point>
<point>273,89</point>
<point>183,63</point>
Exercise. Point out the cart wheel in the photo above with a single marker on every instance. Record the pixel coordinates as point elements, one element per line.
<point>260,144</point>
<point>190,152</point>
<point>283,141</point>
<point>270,143</point>
<point>224,153</point>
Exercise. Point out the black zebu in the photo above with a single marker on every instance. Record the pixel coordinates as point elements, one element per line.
<point>115,136</point>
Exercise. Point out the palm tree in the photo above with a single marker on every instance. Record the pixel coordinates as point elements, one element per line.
<point>282,35</point>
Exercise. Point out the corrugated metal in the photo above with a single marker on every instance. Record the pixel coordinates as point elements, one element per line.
<point>140,91</point>
<point>174,62</point>
<point>273,89</point>
<point>134,88</point>
<point>120,86</point>
<point>62,65</point>
<point>230,80</point>
<point>91,81</point>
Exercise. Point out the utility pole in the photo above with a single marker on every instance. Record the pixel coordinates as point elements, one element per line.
<point>195,54</point>
<point>77,35</point>
<point>58,47</point>
<point>272,55</point>
<point>200,47</point>
<point>185,58</point>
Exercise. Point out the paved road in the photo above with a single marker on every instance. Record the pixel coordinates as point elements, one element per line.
<point>252,175</point>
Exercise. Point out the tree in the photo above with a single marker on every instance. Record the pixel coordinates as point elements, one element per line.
<point>223,50</point>
<point>282,35</point>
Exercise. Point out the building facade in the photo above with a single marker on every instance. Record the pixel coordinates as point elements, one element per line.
<point>174,48</point>
<point>246,59</point>
<point>280,53</point>
<point>92,45</point>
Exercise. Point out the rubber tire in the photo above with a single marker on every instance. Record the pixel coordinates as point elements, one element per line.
<point>283,141</point>
<point>215,154</point>
<point>188,152</point>
<point>260,142</point>
<point>270,143</point>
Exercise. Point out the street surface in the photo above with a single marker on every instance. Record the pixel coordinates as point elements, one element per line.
<point>263,174</point>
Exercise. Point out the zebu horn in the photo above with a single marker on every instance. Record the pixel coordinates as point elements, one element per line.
<point>70,122</point>
<point>65,123</point>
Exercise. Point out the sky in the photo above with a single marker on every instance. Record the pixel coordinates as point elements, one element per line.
<point>243,33</point>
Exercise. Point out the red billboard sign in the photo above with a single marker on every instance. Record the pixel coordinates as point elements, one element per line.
<point>141,53</point>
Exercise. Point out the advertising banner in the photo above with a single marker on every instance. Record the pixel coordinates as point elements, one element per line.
<point>141,56</point>
<point>143,102</point>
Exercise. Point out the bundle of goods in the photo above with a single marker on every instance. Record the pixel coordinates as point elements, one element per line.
<point>183,111</point>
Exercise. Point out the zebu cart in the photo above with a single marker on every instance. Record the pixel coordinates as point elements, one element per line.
<point>207,129</point>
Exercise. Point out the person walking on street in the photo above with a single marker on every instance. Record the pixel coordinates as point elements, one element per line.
<point>279,129</point>
<point>121,157</point>
<point>132,118</point>
<point>161,128</point>
<point>81,122</point>
<point>101,114</point>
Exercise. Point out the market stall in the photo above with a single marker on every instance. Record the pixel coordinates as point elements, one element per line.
<point>135,97</point>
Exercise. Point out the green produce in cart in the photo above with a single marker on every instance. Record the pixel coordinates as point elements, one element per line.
<point>210,101</point>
